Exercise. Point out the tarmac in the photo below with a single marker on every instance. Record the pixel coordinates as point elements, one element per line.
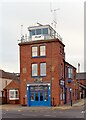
<point>78,103</point>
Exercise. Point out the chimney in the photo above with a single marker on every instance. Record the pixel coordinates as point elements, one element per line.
<point>78,67</point>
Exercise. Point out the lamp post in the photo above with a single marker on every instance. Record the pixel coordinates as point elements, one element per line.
<point>70,89</point>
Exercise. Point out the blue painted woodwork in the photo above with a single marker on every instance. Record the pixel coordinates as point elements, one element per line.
<point>39,97</point>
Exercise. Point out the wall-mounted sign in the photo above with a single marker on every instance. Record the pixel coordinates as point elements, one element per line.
<point>38,80</point>
<point>62,83</point>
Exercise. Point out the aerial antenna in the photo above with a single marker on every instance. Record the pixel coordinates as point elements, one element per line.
<point>54,23</point>
<point>22,36</point>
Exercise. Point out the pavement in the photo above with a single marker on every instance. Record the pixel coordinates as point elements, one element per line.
<point>78,103</point>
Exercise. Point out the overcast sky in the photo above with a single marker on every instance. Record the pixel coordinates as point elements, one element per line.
<point>70,25</point>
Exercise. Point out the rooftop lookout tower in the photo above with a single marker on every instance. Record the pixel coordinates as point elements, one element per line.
<point>41,32</point>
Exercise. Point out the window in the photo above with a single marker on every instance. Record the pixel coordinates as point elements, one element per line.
<point>66,71</point>
<point>32,96</point>
<point>43,50</point>
<point>32,32</point>
<point>13,94</point>
<point>34,52</point>
<point>61,70</point>
<point>38,31</point>
<point>45,30</point>
<point>42,69</point>
<point>34,70</point>
<point>69,72</point>
<point>6,83</point>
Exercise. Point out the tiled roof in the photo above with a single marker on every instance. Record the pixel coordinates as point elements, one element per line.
<point>13,85</point>
<point>8,75</point>
<point>81,76</point>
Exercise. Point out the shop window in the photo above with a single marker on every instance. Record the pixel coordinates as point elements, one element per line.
<point>45,96</point>
<point>13,94</point>
<point>36,97</point>
<point>42,69</point>
<point>34,51</point>
<point>32,96</point>
<point>43,50</point>
<point>41,96</point>
<point>34,70</point>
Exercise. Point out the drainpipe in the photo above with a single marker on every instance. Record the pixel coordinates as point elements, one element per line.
<point>64,85</point>
<point>51,75</point>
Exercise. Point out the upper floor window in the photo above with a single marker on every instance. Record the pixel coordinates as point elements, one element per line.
<point>43,50</point>
<point>38,31</point>
<point>34,70</point>
<point>42,69</point>
<point>66,71</point>
<point>34,52</point>
<point>70,72</point>
<point>32,32</point>
<point>45,30</point>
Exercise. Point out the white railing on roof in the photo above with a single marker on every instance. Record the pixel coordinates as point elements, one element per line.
<point>41,37</point>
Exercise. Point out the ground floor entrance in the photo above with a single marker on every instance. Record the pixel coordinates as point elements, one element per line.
<point>39,95</point>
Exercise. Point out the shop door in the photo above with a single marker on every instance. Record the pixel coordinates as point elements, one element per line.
<point>39,96</point>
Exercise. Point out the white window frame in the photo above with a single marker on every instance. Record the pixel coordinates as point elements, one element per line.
<point>34,69</point>
<point>34,52</point>
<point>42,73</point>
<point>14,95</point>
<point>70,72</point>
<point>42,50</point>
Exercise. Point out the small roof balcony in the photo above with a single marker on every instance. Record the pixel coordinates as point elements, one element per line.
<point>41,32</point>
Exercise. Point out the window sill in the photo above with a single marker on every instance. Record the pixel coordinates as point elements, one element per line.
<point>34,76</point>
<point>42,56</point>
<point>39,57</point>
<point>13,98</point>
<point>42,76</point>
<point>35,57</point>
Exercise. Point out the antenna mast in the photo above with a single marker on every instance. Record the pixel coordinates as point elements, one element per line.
<point>22,36</point>
<point>54,23</point>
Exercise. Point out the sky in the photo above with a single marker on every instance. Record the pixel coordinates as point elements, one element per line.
<point>70,25</point>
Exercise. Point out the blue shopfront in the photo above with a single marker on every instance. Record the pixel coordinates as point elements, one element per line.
<point>38,95</point>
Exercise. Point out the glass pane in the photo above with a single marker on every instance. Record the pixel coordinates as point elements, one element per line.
<point>45,30</point>
<point>16,94</point>
<point>43,69</point>
<point>45,88</point>
<point>36,96</point>
<point>42,50</point>
<point>34,51</point>
<point>41,88</point>
<point>45,96</point>
<point>32,32</point>
<point>32,96</point>
<point>32,88</point>
<point>38,31</point>
<point>41,96</point>
<point>12,94</point>
<point>34,69</point>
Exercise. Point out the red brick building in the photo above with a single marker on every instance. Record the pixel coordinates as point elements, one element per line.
<point>9,87</point>
<point>45,78</point>
<point>81,80</point>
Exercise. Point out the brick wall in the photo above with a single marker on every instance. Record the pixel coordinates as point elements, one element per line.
<point>54,59</point>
